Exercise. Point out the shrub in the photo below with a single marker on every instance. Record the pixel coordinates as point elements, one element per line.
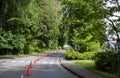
<point>53,44</point>
<point>106,61</point>
<point>86,56</point>
<point>31,46</point>
<point>73,55</point>
<point>11,43</point>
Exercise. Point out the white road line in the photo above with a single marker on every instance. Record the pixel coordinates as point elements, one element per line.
<point>51,62</point>
<point>57,63</point>
<point>28,62</point>
<point>13,61</point>
<point>21,76</point>
<point>46,62</point>
<point>43,62</point>
<point>21,61</point>
<point>54,62</point>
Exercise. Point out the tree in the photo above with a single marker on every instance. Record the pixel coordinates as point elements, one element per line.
<point>83,18</point>
<point>20,21</point>
<point>112,18</point>
<point>50,22</point>
<point>36,22</point>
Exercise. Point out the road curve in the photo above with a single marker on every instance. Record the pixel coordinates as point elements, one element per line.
<point>48,67</point>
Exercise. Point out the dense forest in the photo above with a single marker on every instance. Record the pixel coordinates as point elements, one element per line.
<point>27,25</point>
<point>31,25</point>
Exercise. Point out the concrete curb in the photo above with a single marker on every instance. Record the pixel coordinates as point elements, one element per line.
<point>81,72</point>
<point>69,69</point>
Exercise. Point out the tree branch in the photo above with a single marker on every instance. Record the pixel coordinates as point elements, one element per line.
<point>113,15</point>
<point>118,4</point>
<point>113,27</point>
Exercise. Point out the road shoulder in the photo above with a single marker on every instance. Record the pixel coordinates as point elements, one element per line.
<point>79,71</point>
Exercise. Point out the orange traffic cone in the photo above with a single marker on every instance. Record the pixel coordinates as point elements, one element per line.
<point>39,57</point>
<point>30,65</point>
<point>27,73</point>
<point>35,61</point>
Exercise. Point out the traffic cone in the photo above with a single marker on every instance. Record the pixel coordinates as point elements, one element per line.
<point>39,58</point>
<point>47,54</point>
<point>35,61</point>
<point>30,65</point>
<point>27,73</point>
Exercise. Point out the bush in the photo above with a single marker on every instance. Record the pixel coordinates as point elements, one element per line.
<point>87,56</point>
<point>73,55</point>
<point>31,46</point>
<point>53,44</point>
<point>11,43</point>
<point>106,61</point>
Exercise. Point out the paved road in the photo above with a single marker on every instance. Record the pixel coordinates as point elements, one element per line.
<point>48,67</point>
<point>14,68</point>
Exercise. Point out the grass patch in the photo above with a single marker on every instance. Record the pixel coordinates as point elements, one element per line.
<point>90,64</point>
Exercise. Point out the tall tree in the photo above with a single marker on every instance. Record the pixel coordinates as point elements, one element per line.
<point>112,17</point>
<point>50,21</point>
<point>30,23</point>
<point>83,18</point>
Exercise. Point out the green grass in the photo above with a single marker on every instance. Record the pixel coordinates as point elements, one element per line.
<point>90,64</point>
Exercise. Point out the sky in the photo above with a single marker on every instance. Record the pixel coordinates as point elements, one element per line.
<point>112,5</point>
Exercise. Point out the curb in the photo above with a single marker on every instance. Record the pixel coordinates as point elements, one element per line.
<point>68,68</point>
<point>83,71</point>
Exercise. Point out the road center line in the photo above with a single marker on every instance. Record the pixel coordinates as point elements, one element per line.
<point>21,76</point>
<point>21,61</point>
<point>13,61</point>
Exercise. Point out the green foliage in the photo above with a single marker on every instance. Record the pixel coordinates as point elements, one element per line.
<point>30,24</point>
<point>106,61</point>
<point>83,19</point>
<point>73,55</point>
<point>111,16</point>
<point>90,64</point>
<point>50,21</point>
<point>93,46</point>
<point>10,42</point>
<point>31,46</point>
<point>53,44</point>
<point>86,43</point>
<point>87,55</point>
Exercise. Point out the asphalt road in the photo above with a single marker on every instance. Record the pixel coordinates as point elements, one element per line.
<point>49,67</point>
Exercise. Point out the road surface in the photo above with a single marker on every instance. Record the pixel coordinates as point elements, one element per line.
<point>48,67</point>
